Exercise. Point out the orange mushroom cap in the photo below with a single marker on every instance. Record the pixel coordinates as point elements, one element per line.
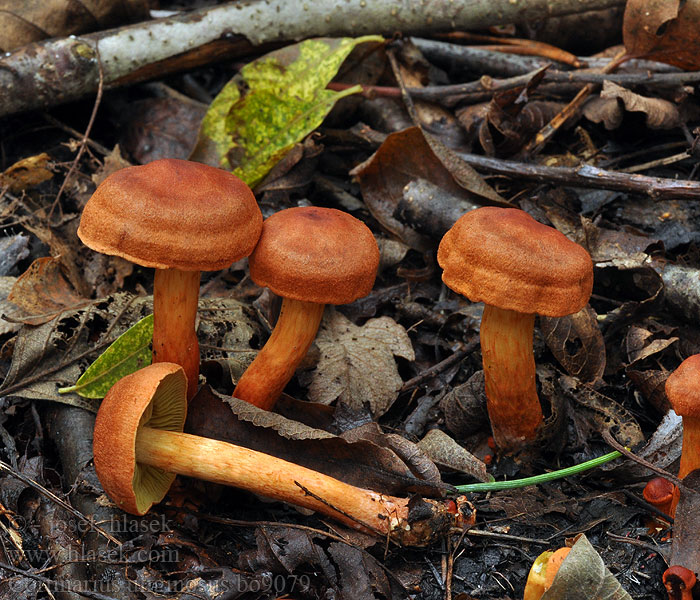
<point>679,582</point>
<point>155,397</point>
<point>172,214</point>
<point>503,257</point>
<point>315,254</point>
<point>659,493</point>
<point>682,389</point>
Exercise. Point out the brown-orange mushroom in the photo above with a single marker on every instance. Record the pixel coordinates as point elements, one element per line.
<point>659,493</point>
<point>139,447</point>
<point>543,571</point>
<point>310,256</point>
<point>518,268</point>
<point>679,582</point>
<point>683,392</point>
<point>179,217</point>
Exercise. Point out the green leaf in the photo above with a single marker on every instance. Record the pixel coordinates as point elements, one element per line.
<point>128,353</point>
<point>272,104</point>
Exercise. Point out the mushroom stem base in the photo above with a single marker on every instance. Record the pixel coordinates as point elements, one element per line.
<point>175,298</point>
<point>273,367</point>
<point>228,464</point>
<point>509,376</point>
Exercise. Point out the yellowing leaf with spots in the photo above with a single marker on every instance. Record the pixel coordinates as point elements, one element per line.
<point>273,103</point>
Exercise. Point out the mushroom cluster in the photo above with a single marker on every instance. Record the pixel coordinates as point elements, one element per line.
<point>518,268</point>
<point>179,217</point>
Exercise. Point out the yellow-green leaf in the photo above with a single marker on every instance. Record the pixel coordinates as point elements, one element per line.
<point>128,353</point>
<point>272,104</point>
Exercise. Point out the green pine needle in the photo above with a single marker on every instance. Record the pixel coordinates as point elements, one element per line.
<point>537,479</point>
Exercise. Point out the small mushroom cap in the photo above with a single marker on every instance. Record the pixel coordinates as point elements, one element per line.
<point>172,214</point>
<point>155,396</point>
<point>658,492</point>
<point>683,387</point>
<point>503,257</point>
<point>679,577</point>
<point>315,254</point>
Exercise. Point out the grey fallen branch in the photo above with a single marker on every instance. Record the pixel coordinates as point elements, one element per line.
<point>55,71</point>
<point>587,176</point>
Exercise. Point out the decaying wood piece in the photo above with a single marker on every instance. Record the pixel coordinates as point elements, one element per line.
<point>55,71</point>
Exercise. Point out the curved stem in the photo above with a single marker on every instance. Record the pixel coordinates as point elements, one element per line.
<point>273,367</point>
<point>509,376</point>
<point>175,298</point>
<point>273,477</point>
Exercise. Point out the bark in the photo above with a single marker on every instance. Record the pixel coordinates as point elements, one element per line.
<point>55,71</point>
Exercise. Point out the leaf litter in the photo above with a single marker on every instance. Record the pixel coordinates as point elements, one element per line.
<point>616,357</point>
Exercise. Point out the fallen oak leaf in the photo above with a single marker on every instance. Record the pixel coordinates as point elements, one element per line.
<point>357,364</point>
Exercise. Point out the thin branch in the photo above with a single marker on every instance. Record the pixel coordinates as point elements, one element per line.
<point>588,176</point>
<point>54,498</point>
<point>61,70</point>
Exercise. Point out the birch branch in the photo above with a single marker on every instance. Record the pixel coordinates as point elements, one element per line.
<point>60,70</point>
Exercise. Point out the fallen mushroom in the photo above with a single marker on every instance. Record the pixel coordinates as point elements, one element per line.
<point>679,583</point>
<point>517,267</point>
<point>179,217</point>
<point>310,256</point>
<point>139,447</point>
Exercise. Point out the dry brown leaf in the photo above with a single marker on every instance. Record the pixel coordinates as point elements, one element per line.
<point>406,156</point>
<point>33,20</point>
<point>577,343</point>
<point>363,462</point>
<point>685,549</point>
<point>26,173</point>
<point>640,344</point>
<point>441,448</point>
<point>608,108</point>
<point>43,292</point>
<point>664,30</point>
<point>357,364</point>
<point>584,575</point>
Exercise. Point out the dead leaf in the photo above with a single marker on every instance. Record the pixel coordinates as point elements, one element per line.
<point>441,448</point>
<point>583,574</point>
<point>43,292</point>
<point>602,411</point>
<point>663,30</point>
<point>577,343</point>
<point>464,407</point>
<point>360,462</point>
<point>112,163</point>
<point>659,113</point>
<point>357,364</point>
<point>640,344</point>
<point>29,171</point>
<point>162,128</point>
<point>402,158</point>
<point>33,20</point>
<point>6,307</point>
<point>651,385</point>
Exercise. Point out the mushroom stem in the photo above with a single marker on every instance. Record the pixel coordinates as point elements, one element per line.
<point>224,463</point>
<point>175,298</point>
<point>690,454</point>
<point>509,376</point>
<point>273,367</point>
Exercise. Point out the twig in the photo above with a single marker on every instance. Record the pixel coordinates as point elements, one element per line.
<point>659,188</point>
<point>455,357</point>
<point>84,139</point>
<point>65,69</point>
<point>548,131</point>
<point>53,497</point>
<point>611,441</point>
<point>55,586</point>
